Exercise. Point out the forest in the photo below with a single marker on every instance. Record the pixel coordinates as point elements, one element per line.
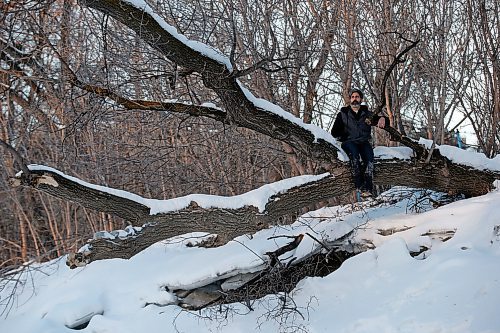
<point>169,98</point>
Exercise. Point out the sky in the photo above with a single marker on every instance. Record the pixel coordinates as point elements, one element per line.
<point>454,286</point>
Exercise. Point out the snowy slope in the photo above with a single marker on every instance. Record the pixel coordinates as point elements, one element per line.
<point>453,287</point>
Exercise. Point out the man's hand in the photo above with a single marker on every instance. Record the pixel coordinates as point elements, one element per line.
<point>381,122</point>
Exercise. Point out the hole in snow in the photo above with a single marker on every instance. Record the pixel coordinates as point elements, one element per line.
<point>83,322</point>
<point>435,236</point>
<point>440,235</point>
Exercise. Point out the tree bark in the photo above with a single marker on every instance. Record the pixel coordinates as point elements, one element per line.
<point>440,175</point>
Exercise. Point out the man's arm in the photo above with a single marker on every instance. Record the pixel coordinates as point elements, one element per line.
<point>338,126</point>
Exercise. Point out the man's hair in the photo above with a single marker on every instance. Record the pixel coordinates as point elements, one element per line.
<point>356,90</point>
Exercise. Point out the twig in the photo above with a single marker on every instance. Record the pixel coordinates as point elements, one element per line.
<point>17,157</point>
<point>319,242</point>
<point>290,246</point>
<point>397,60</point>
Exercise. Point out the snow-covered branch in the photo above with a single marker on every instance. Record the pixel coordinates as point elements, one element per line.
<point>228,217</point>
<point>242,108</point>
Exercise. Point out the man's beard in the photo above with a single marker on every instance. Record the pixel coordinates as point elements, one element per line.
<point>355,103</point>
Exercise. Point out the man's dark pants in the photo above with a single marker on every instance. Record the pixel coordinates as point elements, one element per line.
<point>363,173</point>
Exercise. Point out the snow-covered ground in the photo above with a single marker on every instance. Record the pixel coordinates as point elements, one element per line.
<point>452,287</point>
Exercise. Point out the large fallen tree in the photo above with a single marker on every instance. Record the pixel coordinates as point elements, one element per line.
<point>439,174</point>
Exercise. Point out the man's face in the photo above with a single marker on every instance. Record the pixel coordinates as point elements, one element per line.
<point>355,98</point>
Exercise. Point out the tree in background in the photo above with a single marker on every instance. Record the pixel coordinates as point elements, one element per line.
<point>98,90</point>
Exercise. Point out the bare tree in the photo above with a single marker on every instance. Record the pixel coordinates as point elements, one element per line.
<point>124,101</point>
<point>482,103</point>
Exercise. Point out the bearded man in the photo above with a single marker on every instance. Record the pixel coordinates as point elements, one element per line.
<point>352,127</point>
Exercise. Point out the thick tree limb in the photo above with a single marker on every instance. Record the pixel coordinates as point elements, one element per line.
<point>241,111</point>
<point>228,223</point>
<point>174,107</point>
<point>63,188</point>
<point>440,175</point>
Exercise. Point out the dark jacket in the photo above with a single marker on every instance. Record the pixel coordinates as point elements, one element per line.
<point>351,126</point>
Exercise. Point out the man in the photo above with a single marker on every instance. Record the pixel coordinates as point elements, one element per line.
<point>352,128</point>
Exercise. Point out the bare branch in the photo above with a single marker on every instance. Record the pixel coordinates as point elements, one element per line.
<point>174,107</point>
<point>17,157</point>
<point>397,59</point>
<point>284,249</point>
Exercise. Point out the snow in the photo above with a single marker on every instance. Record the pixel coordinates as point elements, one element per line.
<point>387,153</point>
<point>454,286</point>
<point>318,132</point>
<point>202,48</point>
<point>211,105</point>
<point>257,198</point>
<point>468,158</point>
